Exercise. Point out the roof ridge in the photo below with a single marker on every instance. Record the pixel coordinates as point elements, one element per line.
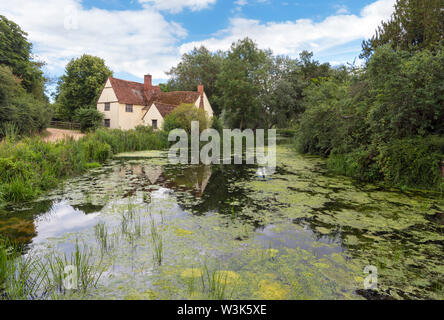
<point>126,80</point>
<point>182,92</point>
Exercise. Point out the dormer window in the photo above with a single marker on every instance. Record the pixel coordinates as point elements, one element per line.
<point>129,108</point>
<point>107,106</point>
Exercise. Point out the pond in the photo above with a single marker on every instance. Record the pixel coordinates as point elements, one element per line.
<point>162,231</point>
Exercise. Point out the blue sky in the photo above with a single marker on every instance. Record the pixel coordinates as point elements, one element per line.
<point>136,37</point>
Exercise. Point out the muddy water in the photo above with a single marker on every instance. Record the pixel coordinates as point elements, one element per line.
<point>296,234</point>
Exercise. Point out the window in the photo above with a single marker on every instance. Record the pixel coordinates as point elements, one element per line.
<point>107,106</point>
<point>107,123</point>
<point>154,124</point>
<point>129,108</point>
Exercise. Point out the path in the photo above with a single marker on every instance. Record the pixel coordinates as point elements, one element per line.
<point>60,134</point>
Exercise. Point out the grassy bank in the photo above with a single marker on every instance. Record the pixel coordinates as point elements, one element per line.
<point>31,166</point>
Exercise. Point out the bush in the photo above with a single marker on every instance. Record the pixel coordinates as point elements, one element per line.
<point>182,116</point>
<point>18,108</point>
<point>413,162</point>
<point>89,119</point>
<point>321,128</point>
<point>360,164</point>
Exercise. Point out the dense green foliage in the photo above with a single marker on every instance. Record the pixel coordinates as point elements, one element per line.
<point>249,87</point>
<point>31,166</point>
<point>89,119</point>
<point>182,116</point>
<point>199,66</point>
<point>24,108</point>
<point>243,70</point>
<point>386,120</point>
<point>81,85</point>
<point>414,25</point>
<point>16,53</point>
<point>18,109</point>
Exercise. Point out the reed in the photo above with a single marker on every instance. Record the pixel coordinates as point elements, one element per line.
<point>21,276</point>
<point>157,242</point>
<point>214,283</point>
<point>86,275</point>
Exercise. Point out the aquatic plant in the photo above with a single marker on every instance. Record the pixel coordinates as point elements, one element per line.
<point>214,283</point>
<point>21,276</point>
<point>101,233</point>
<point>157,242</point>
<point>87,272</point>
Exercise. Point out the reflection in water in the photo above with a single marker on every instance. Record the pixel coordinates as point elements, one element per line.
<point>193,179</point>
<point>296,239</point>
<point>306,221</point>
<point>62,219</point>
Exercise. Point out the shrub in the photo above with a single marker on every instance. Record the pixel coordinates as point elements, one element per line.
<point>360,164</point>
<point>89,119</point>
<point>28,114</point>
<point>413,162</point>
<point>182,116</point>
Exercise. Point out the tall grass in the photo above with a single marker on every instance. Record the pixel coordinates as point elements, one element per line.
<point>32,277</point>
<point>214,283</point>
<point>31,166</point>
<point>102,237</point>
<point>157,243</point>
<point>87,271</point>
<point>10,130</point>
<point>21,277</point>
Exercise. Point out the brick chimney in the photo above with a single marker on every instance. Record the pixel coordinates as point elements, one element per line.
<point>148,82</point>
<point>200,89</point>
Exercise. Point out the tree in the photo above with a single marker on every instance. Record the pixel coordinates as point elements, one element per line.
<point>182,116</point>
<point>414,25</point>
<point>284,82</point>
<point>200,66</point>
<point>165,87</point>
<point>407,93</point>
<point>81,84</point>
<point>241,83</point>
<point>16,53</point>
<point>28,114</point>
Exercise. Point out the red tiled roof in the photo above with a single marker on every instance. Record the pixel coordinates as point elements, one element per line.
<point>178,97</point>
<point>129,92</point>
<point>164,109</point>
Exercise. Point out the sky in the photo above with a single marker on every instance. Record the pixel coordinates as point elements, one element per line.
<point>137,37</point>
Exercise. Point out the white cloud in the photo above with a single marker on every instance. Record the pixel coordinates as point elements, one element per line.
<point>241,2</point>
<point>135,42</point>
<point>341,9</point>
<point>291,37</point>
<point>175,6</point>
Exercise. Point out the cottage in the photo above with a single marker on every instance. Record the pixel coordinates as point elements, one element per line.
<point>127,104</point>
